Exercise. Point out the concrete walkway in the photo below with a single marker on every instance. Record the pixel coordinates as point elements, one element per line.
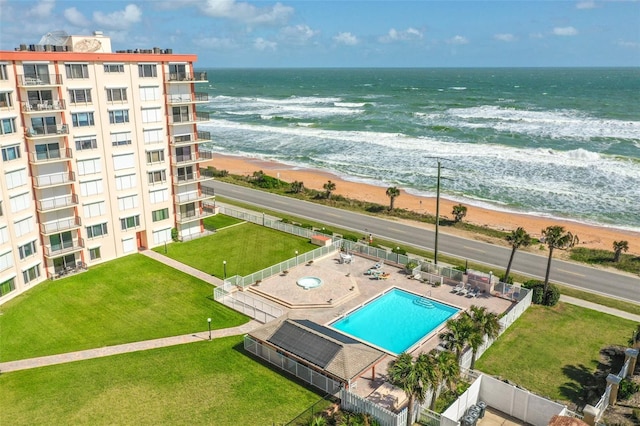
<point>600,308</point>
<point>182,267</point>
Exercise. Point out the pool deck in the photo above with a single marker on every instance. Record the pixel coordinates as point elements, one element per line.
<point>345,288</point>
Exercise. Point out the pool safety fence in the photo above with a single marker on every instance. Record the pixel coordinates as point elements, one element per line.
<point>375,252</point>
<point>351,402</point>
<point>302,372</point>
<point>429,418</point>
<point>317,408</point>
<point>247,304</point>
<point>613,380</point>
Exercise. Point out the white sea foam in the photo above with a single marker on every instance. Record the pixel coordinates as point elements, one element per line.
<point>350,104</point>
<point>293,107</point>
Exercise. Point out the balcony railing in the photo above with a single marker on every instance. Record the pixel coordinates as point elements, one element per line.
<point>57,203</point>
<point>51,156</point>
<point>62,178</point>
<point>187,98</point>
<point>44,106</point>
<point>64,247</point>
<point>48,131</point>
<point>194,157</point>
<point>194,196</point>
<point>191,138</point>
<point>192,216</point>
<point>40,80</point>
<point>189,118</point>
<point>185,179</point>
<point>178,77</point>
<point>60,225</point>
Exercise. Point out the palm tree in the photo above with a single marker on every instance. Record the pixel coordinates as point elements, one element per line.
<point>459,212</point>
<point>412,376</point>
<point>618,248</point>
<point>392,192</point>
<point>555,237</point>
<point>457,334</point>
<point>485,323</point>
<point>297,187</point>
<point>329,187</point>
<point>447,371</point>
<point>518,238</point>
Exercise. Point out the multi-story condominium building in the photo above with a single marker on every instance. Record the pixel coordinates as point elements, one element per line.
<point>100,156</point>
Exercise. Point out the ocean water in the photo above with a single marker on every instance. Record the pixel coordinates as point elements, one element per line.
<point>561,143</point>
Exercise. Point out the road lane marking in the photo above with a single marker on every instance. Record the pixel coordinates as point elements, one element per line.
<point>571,272</point>
<point>474,249</point>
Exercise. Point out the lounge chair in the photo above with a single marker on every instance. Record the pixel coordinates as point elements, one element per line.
<point>473,293</point>
<point>416,276</point>
<point>464,290</point>
<point>458,288</point>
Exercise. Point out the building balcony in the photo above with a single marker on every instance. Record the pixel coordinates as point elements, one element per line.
<point>52,156</point>
<point>47,131</point>
<point>190,139</point>
<point>57,203</point>
<point>39,80</point>
<point>193,216</point>
<point>65,247</point>
<point>187,98</point>
<point>183,160</point>
<point>189,178</point>
<point>188,118</point>
<point>184,77</point>
<point>191,197</point>
<point>44,106</point>
<point>56,179</point>
<point>60,225</point>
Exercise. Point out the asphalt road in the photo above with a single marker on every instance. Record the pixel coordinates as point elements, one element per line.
<point>608,283</point>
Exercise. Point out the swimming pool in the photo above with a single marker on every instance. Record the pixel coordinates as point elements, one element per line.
<point>396,320</point>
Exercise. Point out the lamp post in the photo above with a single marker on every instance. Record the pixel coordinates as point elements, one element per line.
<point>397,254</point>
<point>224,266</point>
<point>296,257</point>
<point>209,322</point>
<point>435,252</point>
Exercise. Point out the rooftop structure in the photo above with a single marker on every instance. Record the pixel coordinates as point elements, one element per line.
<point>100,155</point>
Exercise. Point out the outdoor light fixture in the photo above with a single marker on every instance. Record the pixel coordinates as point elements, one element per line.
<point>224,265</point>
<point>209,322</point>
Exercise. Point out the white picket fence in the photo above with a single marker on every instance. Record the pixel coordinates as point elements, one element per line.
<point>351,402</point>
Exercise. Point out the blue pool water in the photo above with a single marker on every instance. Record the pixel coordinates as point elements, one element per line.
<point>396,320</point>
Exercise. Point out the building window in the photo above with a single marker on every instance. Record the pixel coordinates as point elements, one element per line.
<point>27,250</point>
<point>113,68</point>
<point>130,222</point>
<point>90,166</point>
<point>5,100</point>
<point>150,93</point>
<point>147,70</point>
<point>153,136</point>
<point>86,143</point>
<point>126,182</point>
<point>77,70</point>
<point>8,286</point>
<point>119,116</point>
<point>92,187</point>
<point>119,139</point>
<point>159,215</point>
<point>158,176</point>
<point>155,156</point>
<point>31,274</point>
<point>3,72</point>
<point>152,115</point>
<point>159,195</point>
<point>128,202</point>
<point>7,126</point>
<point>16,178</point>
<point>11,153</point>
<point>20,202</point>
<point>96,230</point>
<point>117,95</point>
<point>80,96</point>
<point>6,261</point>
<point>82,119</point>
<point>94,209</point>
<point>94,253</point>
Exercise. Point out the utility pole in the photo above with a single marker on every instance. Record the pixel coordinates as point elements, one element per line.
<point>435,251</point>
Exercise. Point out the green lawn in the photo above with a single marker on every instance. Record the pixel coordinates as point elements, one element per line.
<point>220,221</point>
<point>247,248</point>
<point>554,351</point>
<point>125,300</point>
<point>212,383</point>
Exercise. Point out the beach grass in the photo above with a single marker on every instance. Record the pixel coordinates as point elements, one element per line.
<point>628,263</point>
<point>210,382</point>
<point>246,248</point>
<point>554,351</point>
<point>129,299</point>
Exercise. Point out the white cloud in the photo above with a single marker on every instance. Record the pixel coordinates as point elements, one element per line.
<point>247,13</point>
<point>505,37</point>
<point>565,31</point>
<point>119,19</point>
<point>75,17</point>
<point>407,35</point>
<point>215,43</point>
<point>536,35</point>
<point>262,44</point>
<point>586,4</point>
<point>299,34</point>
<point>628,44</point>
<point>347,39</point>
<point>42,9</point>
<point>458,39</point>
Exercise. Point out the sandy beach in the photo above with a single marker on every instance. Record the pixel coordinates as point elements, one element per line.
<point>590,236</point>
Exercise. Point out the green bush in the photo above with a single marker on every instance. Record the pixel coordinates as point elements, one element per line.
<point>399,250</point>
<point>267,182</point>
<point>627,388</point>
<point>306,225</point>
<point>636,415</point>
<point>509,281</point>
<point>551,298</point>
<point>350,237</point>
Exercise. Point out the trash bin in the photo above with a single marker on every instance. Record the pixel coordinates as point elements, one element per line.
<point>468,421</point>
<point>482,406</point>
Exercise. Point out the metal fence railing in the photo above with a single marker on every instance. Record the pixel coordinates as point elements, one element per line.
<point>253,307</point>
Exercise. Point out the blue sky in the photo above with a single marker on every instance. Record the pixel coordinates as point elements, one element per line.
<point>234,33</point>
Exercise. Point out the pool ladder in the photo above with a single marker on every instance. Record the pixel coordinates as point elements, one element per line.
<point>423,301</point>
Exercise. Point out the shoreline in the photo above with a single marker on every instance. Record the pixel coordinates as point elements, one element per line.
<point>591,236</point>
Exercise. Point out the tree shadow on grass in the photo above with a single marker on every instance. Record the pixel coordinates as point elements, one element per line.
<point>576,390</point>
